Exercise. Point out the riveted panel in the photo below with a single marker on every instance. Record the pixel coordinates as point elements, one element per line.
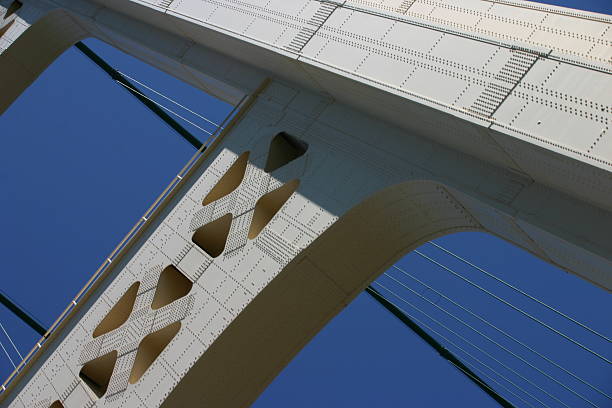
<point>441,90</point>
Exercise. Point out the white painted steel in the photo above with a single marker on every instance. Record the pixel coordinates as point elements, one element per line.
<point>422,118</point>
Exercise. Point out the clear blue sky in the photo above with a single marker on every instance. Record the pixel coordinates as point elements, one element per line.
<point>80,161</point>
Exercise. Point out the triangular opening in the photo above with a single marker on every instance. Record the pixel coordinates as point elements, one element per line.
<point>97,373</point>
<point>211,237</point>
<point>230,180</point>
<point>268,205</point>
<point>150,348</point>
<point>119,313</point>
<point>15,5</point>
<point>171,286</point>
<point>57,404</point>
<point>284,148</point>
<point>4,29</point>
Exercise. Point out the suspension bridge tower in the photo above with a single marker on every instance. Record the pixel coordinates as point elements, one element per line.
<point>361,130</point>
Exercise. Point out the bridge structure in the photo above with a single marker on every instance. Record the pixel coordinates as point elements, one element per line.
<point>362,129</point>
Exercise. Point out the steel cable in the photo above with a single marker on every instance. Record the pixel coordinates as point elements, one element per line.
<point>535,319</point>
<point>171,100</point>
<point>475,346</point>
<point>490,377</point>
<point>8,355</point>
<point>165,108</point>
<point>584,326</point>
<point>11,340</point>
<point>423,324</point>
<point>502,332</point>
<point>494,342</point>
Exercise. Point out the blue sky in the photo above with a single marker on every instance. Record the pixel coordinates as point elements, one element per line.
<point>80,161</point>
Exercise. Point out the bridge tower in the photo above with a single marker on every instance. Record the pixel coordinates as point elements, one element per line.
<point>363,129</point>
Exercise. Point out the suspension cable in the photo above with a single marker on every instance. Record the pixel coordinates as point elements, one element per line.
<point>11,340</point>
<point>164,107</point>
<point>171,100</point>
<point>8,355</point>
<point>433,343</point>
<point>472,376</point>
<point>535,319</point>
<point>439,293</point>
<point>474,345</point>
<point>116,76</point>
<point>584,326</point>
<point>494,342</point>
<point>492,378</point>
<point>423,324</point>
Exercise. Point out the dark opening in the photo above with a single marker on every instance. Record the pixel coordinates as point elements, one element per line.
<point>172,285</point>
<point>284,148</point>
<point>211,237</point>
<point>96,374</point>
<point>119,313</point>
<point>230,180</point>
<point>150,348</point>
<point>268,205</point>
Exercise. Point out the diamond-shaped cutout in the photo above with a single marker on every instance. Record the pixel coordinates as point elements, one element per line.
<point>57,404</point>
<point>119,313</point>
<point>284,148</point>
<point>150,348</point>
<point>230,180</point>
<point>172,285</point>
<point>96,374</point>
<point>268,205</point>
<point>211,237</point>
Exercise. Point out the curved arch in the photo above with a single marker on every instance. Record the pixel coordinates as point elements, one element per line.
<point>314,287</point>
<point>31,53</point>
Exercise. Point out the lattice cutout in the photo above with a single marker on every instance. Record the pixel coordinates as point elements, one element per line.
<point>96,374</point>
<point>119,313</point>
<point>172,285</point>
<point>150,348</point>
<point>230,180</point>
<point>284,148</point>
<point>211,237</point>
<point>268,205</point>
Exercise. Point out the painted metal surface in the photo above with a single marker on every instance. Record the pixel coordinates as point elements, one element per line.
<point>421,117</point>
